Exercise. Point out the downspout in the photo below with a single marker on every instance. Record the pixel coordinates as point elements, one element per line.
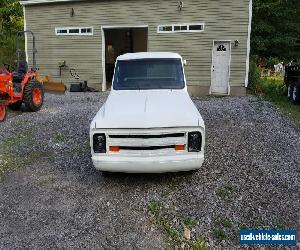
<point>248,44</point>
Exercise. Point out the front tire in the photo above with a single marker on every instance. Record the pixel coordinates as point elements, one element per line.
<point>34,95</point>
<point>3,112</point>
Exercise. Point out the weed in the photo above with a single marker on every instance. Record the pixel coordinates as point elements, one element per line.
<point>188,222</point>
<point>219,234</point>
<point>199,244</point>
<point>226,192</point>
<point>20,140</point>
<point>276,92</point>
<point>164,216</point>
<point>59,138</point>
<point>10,161</point>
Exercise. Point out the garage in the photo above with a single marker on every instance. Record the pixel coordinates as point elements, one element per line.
<point>212,36</point>
<point>118,41</point>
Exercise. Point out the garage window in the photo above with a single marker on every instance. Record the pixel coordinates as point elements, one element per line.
<point>173,28</point>
<point>74,31</point>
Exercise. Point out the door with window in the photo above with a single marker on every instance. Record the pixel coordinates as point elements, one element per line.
<point>220,68</point>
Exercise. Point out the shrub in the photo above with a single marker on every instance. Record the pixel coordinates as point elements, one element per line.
<point>254,76</point>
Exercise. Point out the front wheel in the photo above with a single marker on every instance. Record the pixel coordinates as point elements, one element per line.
<point>2,112</point>
<point>34,95</point>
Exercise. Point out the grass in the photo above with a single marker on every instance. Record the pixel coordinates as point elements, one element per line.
<point>274,91</point>
<point>174,234</point>
<point>219,234</point>
<point>10,160</point>
<point>220,227</point>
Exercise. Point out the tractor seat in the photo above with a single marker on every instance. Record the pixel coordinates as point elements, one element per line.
<point>19,74</point>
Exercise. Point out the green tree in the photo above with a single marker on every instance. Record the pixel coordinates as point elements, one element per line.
<point>276,29</point>
<point>11,20</point>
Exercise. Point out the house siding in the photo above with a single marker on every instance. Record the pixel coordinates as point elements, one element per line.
<point>224,20</point>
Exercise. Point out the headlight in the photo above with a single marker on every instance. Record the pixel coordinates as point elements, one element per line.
<point>99,143</point>
<point>194,142</point>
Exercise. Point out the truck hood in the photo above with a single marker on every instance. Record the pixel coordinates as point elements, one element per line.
<point>148,109</point>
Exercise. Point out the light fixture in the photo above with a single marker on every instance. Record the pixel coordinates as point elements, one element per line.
<point>180,5</point>
<point>236,43</point>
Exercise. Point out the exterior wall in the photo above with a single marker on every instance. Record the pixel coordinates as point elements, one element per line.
<point>224,20</point>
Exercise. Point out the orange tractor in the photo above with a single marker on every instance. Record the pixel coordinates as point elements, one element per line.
<point>20,86</point>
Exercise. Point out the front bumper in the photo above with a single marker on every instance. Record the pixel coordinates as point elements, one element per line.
<point>149,164</point>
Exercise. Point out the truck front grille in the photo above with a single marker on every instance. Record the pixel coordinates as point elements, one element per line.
<point>148,141</point>
<point>148,136</point>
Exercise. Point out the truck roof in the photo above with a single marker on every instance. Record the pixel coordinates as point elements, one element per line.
<point>149,55</point>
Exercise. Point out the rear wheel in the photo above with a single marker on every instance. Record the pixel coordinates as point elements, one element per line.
<point>34,95</point>
<point>2,112</point>
<point>296,94</point>
<point>15,106</point>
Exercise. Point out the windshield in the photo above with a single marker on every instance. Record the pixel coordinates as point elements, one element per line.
<point>149,74</point>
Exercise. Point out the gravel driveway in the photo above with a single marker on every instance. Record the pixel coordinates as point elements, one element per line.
<point>51,196</point>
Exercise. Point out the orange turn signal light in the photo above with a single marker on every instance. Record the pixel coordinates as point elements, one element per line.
<point>114,149</point>
<point>179,147</point>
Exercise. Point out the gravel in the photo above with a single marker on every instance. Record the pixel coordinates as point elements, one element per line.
<point>52,197</point>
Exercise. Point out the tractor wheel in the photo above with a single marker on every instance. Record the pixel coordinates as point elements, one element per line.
<point>15,106</point>
<point>34,95</point>
<point>2,112</point>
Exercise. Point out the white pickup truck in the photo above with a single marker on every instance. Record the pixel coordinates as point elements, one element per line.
<point>148,124</point>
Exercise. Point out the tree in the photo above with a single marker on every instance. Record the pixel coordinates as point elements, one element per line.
<point>276,29</point>
<point>11,16</point>
<point>11,20</point>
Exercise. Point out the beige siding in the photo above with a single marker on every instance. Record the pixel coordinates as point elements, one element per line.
<point>224,20</point>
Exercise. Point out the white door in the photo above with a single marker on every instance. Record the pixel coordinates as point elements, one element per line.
<point>220,68</point>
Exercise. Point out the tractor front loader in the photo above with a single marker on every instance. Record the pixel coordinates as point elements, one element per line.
<point>21,86</point>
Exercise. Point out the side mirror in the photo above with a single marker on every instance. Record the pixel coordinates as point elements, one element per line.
<point>184,62</point>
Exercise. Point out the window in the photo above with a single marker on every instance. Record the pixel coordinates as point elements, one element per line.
<point>149,74</point>
<point>221,48</point>
<point>196,27</point>
<point>180,28</point>
<point>74,31</point>
<point>192,27</point>
<point>165,28</point>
